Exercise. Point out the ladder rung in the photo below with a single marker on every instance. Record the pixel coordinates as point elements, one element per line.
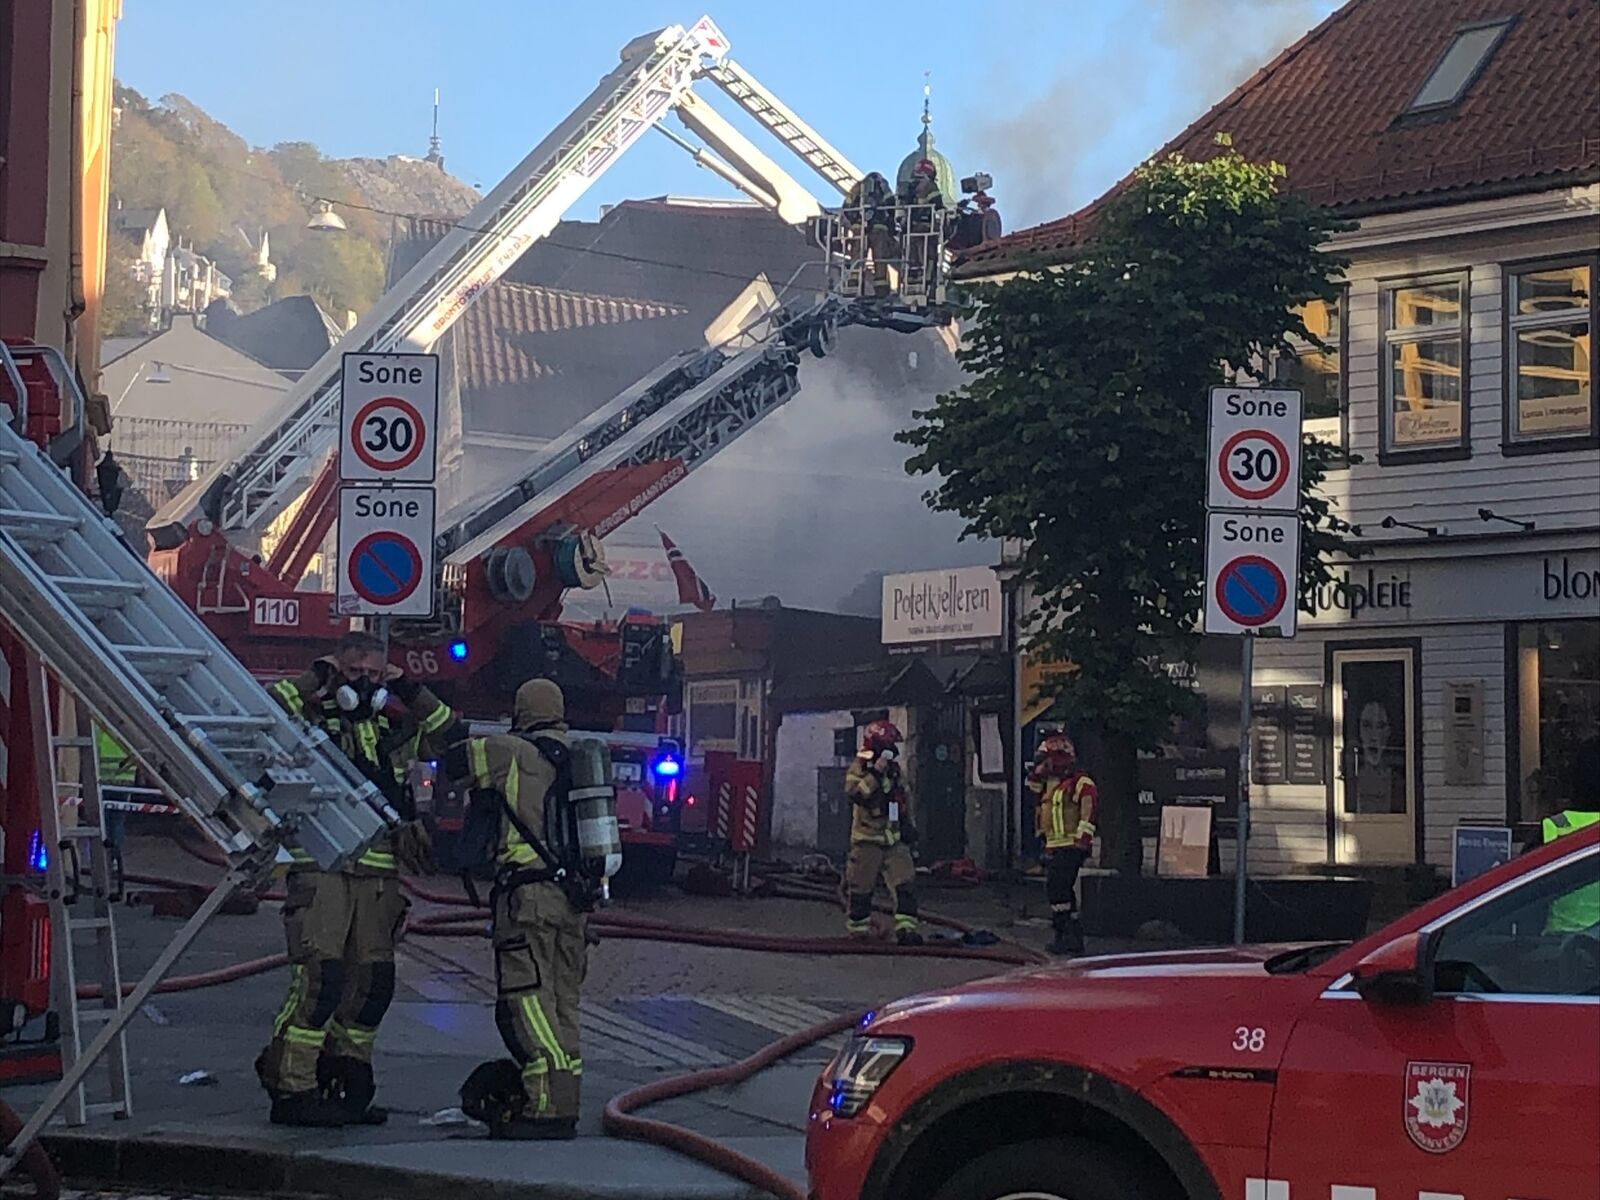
<point>81,830</point>
<point>180,653</point>
<point>84,924</point>
<point>227,721</point>
<point>96,1014</point>
<point>9,456</point>
<point>106,1108</point>
<point>73,743</point>
<point>92,589</point>
<point>22,522</point>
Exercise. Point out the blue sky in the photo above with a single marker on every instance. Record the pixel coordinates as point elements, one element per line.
<point>1055,98</point>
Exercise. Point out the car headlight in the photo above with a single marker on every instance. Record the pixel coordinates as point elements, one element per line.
<point>860,1069</point>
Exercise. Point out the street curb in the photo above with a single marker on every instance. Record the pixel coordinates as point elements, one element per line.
<point>224,1165</point>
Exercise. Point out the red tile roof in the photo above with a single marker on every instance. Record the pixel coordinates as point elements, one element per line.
<point>494,337</point>
<point>1330,108</point>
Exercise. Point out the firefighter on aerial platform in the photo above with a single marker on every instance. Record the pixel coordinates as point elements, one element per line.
<point>1068,804</point>
<point>925,222</point>
<point>341,926</point>
<point>881,835</point>
<point>522,782</point>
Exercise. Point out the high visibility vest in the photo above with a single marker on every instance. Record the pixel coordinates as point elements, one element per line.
<point>1578,911</point>
<point>116,766</point>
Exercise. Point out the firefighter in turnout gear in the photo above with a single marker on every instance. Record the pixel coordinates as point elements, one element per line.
<point>881,835</point>
<point>1068,804</point>
<point>341,926</point>
<point>540,930</point>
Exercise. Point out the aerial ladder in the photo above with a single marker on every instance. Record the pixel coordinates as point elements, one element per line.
<point>82,614</point>
<point>207,540</point>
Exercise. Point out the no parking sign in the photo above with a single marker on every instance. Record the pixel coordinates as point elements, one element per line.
<point>385,552</point>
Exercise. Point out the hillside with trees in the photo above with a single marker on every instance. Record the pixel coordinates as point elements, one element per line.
<point>221,194</point>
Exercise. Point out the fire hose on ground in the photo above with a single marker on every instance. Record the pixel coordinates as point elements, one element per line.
<point>471,921</point>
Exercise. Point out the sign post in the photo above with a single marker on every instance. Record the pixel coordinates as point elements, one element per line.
<point>1252,552</point>
<point>388,458</point>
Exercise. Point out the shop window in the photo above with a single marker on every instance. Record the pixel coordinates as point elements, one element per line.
<point>1319,374</point>
<point>1550,355</point>
<point>1424,368</point>
<point>1558,706</point>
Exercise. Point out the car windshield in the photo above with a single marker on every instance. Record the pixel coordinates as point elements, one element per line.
<point>1302,959</point>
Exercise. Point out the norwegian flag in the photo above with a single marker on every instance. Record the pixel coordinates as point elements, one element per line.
<point>691,588</point>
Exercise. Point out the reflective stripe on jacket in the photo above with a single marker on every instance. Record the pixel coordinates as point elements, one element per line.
<point>515,767</point>
<point>382,748</point>
<point>870,795</point>
<point>1068,808</point>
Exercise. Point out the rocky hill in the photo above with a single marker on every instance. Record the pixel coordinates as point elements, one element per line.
<point>222,195</point>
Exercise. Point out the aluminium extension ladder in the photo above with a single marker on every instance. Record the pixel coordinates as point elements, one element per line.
<point>83,927</point>
<point>135,659</point>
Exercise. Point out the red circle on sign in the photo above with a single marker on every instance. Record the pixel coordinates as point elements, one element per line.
<point>1241,598</point>
<point>1232,444</point>
<point>408,456</point>
<point>384,568</point>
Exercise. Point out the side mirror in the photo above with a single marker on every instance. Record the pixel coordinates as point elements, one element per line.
<point>1397,972</point>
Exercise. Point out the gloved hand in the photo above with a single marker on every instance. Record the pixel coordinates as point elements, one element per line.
<point>883,762</point>
<point>413,849</point>
<point>908,829</point>
<point>400,685</point>
<point>1086,843</point>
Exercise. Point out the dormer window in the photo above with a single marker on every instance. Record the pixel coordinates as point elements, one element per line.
<point>1463,60</point>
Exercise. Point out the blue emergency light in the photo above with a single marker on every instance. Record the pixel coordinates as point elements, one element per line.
<point>458,651</point>
<point>667,767</point>
<point>38,853</point>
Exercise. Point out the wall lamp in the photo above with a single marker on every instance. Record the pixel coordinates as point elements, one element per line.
<point>1393,523</point>
<point>1488,514</point>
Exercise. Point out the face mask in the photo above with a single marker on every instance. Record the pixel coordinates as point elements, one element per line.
<point>352,697</point>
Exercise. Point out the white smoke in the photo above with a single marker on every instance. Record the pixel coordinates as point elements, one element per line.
<point>1058,150</point>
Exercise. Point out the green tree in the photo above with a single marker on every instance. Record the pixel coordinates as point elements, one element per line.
<point>1083,433</point>
<point>123,310</point>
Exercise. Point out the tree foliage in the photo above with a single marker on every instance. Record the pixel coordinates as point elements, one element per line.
<point>221,194</point>
<point>1082,431</point>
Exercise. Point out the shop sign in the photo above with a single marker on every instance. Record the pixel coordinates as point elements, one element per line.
<point>961,604</point>
<point>1540,586</point>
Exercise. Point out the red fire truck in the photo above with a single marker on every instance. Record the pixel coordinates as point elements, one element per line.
<point>1454,1055</point>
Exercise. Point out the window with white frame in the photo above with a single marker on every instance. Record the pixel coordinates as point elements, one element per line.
<point>1550,353</point>
<point>1319,373</point>
<point>1424,366</point>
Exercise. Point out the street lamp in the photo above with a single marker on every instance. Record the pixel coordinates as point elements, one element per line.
<point>325,220</point>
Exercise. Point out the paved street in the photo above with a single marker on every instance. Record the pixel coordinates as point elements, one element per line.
<point>651,1009</point>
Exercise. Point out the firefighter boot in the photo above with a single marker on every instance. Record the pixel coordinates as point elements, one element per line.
<point>1069,934</point>
<point>535,1129</point>
<point>308,1109</point>
<point>348,1083</point>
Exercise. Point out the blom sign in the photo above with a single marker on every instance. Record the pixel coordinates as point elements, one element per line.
<point>960,604</point>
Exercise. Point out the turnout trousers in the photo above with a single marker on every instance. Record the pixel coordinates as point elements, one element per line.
<point>540,958</point>
<point>341,930</point>
<point>868,861</point>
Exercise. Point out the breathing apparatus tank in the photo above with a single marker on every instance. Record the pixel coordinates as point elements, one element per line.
<point>593,805</point>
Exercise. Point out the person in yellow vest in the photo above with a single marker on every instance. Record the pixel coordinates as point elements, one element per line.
<point>1068,805</point>
<point>341,926</point>
<point>881,835</point>
<point>540,935</point>
<point>1579,911</point>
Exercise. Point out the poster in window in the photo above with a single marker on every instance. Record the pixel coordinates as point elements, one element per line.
<point>1307,730</point>
<point>1268,743</point>
<point>1375,737</point>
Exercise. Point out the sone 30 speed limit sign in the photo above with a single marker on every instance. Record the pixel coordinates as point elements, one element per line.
<point>388,418</point>
<point>1254,450</point>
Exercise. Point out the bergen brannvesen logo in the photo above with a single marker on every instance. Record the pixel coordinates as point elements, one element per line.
<point>1436,1105</point>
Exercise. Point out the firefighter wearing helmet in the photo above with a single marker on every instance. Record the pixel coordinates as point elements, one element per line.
<point>881,835</point>
<point>1068,805</point>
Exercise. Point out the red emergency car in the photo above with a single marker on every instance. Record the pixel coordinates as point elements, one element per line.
<point>1455,1055</point>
